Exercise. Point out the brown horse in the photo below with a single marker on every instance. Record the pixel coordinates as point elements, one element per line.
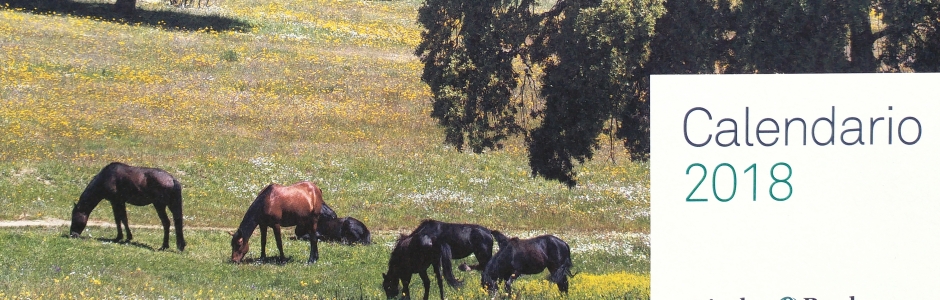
<point>121,184</point>
<point>276,206</point>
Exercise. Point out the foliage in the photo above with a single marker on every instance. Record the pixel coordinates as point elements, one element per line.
<point>912,34</point>
<point>592,59</point>
<point>468,50</point>
<point>794,36</point>
<point>597,56</point>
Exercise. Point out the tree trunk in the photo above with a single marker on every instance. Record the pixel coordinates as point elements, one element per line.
<point>126,7</point>
<point>862,40</point>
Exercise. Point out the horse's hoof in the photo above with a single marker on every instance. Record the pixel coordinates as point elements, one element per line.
<point>464,267</point>
<point>162,248</point>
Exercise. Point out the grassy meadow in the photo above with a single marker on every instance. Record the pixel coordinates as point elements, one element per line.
<point>244,93</point>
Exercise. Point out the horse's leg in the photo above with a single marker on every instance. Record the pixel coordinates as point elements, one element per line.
<point>264,241</point>
<point>440,281</point>
<point>509,281</point>
<point>277,240</point>
<point>161,211</point>
<point>427,284</point>
<point>314,239</point>
<point>120,216</point>
<point>177,210</point>
<point>406,286</point>
<point>483,256</point>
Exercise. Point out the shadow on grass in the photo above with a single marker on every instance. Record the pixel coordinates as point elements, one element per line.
<point>166,19</point>
<point>270,260</point>
<point>135,244</point>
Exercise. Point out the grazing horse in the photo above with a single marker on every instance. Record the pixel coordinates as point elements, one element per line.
<point>296,205</point>
<point>463,239</point>
<point>121,184</point>
<point>346,230</point>
<point>529,256</point>
<point>414,254</point>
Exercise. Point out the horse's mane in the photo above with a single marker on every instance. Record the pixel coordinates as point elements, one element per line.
<point>249,222</point>
<point>424,224</point>
<point>401,237</point>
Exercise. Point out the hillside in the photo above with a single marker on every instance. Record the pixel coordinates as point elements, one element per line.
<point>244,93</point>
<point>325,91</point>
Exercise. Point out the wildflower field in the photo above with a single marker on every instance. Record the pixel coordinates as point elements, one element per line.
<point>243,93</point>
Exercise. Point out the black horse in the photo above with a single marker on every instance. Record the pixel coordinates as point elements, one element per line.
<point>414,254</point>
<point>346,230</point>
<point>120,184</point>
<point>463,239</point>
<point>529,256</point>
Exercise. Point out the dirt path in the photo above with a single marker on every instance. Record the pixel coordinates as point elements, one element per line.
<point>51,222</point>
<point>614,242</point>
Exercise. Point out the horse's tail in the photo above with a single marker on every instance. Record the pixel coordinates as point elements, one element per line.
<point>501,239</point>
<point>446,257</point>
<point>367,236</point>
<point>564,270</point>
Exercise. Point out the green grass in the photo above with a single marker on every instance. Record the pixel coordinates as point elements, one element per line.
<point>43,263</point>
<point>231,98</point>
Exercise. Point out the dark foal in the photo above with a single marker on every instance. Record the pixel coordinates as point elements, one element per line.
<point>348,230</point>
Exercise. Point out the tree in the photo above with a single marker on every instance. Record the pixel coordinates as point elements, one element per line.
<point>597,56</point>
<point>592,58</point>
<point>468,48</point>
<point>791,36</point>
<point>911,34</point>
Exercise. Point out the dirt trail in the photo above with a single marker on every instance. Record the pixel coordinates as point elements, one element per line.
<point>51,222</point>
<point>620,243</point>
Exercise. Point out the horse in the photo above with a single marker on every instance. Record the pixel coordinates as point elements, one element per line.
<point>529,256</point>
<point>414,254</point>
<point>276,206</point>
<point>463,239</point>
<point>121,184</point>
<point>346,230</point>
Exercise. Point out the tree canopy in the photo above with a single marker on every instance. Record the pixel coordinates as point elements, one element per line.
<point>589,61</point>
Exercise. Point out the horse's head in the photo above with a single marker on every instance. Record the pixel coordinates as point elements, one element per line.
<point>390,285</point>
<point>327,213</point>
<point>488,283</point>
<point>79,221</point>
<point>492,272</point>
<point>239,247</point>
